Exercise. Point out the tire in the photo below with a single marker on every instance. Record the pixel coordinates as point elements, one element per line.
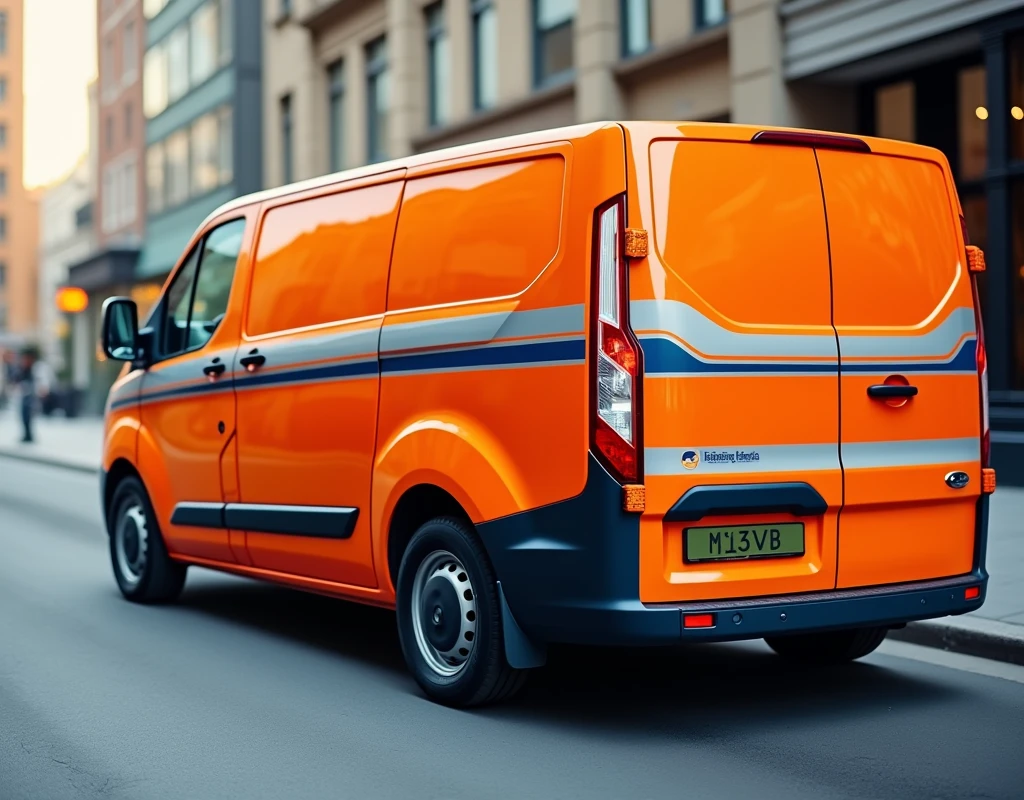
<point>449,618</point>
<point>832,647</point>
<point>143,570</point>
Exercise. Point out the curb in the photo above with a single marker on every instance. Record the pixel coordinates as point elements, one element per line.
<point>48,461</point>
<point>973,636</point>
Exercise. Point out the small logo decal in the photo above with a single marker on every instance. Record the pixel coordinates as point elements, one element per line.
<point>691,459</point>
<point>957,480</point>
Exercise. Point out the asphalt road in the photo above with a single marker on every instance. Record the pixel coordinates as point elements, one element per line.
<point>251,691</point>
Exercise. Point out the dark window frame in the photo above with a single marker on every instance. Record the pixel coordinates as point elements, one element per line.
<point>335,129</point>
<point>700,16</point>
<point>376,68</point>
<point>286,114</point>
<point>477,10</point>
<point>437,33</point>
<point>625,30</point>
<point>540,80</point>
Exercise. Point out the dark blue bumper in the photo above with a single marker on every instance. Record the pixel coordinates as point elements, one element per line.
<point>570,573</point>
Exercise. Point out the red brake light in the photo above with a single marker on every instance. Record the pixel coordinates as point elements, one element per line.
<point>825,141</point>
<point>615,355</point>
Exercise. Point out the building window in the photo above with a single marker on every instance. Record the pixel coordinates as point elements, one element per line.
<point>205,43</point>
<point>3,89</point>
<point>3,317</point>
<point>3,135</point>
<point>226,138</point>
<point>129,120</point>
<point>156,178</point>
<point>284,9</point>
<point>636,27</point>
<point>107,64</point>
<point>130,54</point>
<point>177,64</point>
<point>154,81</point>
<point>3,274</point>
<point>176,153</point>
<point>336,111</point>
<point>377,97</point>
<point>972,124</point>
<point>3,228</point>
<point>205,154</point>
<point>225,32</point>
<point>485,54</point>
<point>3,183</point>
<point>287,148</point>
<point>3,33</point>
<point>710,13</point>
<point>129,191</point>
<point>110,132</point>
<point>553,39</point>
<point>438,65</point>
<point>894,112</point>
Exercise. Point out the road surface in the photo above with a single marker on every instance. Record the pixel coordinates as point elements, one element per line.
<point>251,691</point>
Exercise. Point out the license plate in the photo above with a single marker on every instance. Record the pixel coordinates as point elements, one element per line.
<point>726,543</point>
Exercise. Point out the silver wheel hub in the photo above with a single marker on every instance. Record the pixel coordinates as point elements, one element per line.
<point>444,613</point>
<point>131,544</point>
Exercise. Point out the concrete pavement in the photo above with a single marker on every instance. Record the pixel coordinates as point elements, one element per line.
<point>996,630</point>
<point>248,690</point>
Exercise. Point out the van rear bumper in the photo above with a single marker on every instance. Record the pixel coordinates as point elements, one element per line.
<point>570,573</point>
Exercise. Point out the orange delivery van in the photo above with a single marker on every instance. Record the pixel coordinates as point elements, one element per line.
<point>618,383</point>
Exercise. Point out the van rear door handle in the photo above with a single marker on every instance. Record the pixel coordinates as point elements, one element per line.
<point>884,391</point>
<point>253,360</point>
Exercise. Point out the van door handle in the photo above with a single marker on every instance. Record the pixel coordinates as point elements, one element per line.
<point>884,391</point>
<point>253,360</point>
<point>214,369</point>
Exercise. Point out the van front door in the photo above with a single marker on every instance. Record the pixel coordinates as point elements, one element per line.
<point>188,403</point>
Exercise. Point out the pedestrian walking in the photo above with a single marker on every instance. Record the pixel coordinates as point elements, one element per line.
<point>33,383</point>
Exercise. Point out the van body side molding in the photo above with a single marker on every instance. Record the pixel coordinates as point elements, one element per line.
<point>799,499</point>
<point>326,522</point>
<point>198,515</point>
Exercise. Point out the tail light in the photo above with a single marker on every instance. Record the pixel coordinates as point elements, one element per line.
<point>615,355</point>
<point>982,359</point>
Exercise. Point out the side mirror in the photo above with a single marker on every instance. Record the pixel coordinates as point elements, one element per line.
<point>121,329</point>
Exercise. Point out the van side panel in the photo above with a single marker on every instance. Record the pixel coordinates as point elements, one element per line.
<point>483,352</point>
<point>307,416</point>
<point>732,309</point>
<point>903,307</point>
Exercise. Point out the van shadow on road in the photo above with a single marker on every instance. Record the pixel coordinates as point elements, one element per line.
<point>594,688</point>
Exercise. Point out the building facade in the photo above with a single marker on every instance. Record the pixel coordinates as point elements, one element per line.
<point>347,82</point>
<point>202,101</point>
<point>18,207</point>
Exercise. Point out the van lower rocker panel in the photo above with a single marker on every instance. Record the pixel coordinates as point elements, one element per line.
<point>325,522</point>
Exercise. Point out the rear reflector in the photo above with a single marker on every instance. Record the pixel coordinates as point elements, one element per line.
<point>636,243</point>
<point>826,141</point>
<point>698,620</point>
<point>975,259</point>
<point>634,498</point>
<point>988,480</point>
<point>972,592</point>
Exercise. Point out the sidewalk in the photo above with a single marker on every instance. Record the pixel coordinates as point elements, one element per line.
<point>996,630</point>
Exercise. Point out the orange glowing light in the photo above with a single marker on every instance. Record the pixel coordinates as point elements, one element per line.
<point>72,300</point>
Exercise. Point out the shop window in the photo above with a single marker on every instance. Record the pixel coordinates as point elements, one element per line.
<point>1017,276</point>
<point>1016,121</point>
<point>972,122</point>
<point>894,112</point>
<point>975,207</point>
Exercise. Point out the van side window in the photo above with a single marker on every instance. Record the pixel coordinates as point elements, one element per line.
<point>198,297</point>
<point>323,260</point>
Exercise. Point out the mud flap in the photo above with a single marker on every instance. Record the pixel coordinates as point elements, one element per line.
<point>521,652</point>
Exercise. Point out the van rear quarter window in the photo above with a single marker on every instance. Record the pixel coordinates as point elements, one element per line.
<point>323,260</point>
<point>476,233</point>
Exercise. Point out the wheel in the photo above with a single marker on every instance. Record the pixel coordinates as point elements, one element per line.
<point>449,618</point>
<point>142,568</point>
<point>832,647</point>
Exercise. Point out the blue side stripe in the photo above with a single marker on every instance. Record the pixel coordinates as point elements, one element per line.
<point>531,353</point>
<point>344,369</point>
<point>663,356</point>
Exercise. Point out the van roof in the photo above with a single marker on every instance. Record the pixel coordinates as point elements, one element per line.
<point>641,131</point>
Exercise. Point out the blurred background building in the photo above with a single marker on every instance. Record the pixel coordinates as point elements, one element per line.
<point>200,101</point>
<point>18,207</point>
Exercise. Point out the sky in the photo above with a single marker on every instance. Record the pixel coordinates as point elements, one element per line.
<point>60,62</point>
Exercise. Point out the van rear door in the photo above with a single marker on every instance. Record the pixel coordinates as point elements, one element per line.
<point>904,314</point>
<point>732,308</point>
